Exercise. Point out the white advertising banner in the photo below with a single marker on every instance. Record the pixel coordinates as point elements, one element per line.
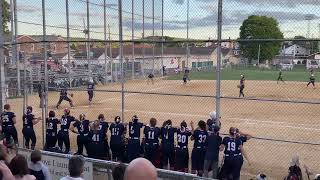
<point>58,167</point>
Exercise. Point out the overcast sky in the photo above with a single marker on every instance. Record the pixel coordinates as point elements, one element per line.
<point>203,17</point>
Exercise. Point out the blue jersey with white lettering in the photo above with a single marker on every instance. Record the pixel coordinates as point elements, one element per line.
<point>134,130</point>
<point>117,130</point>
<point>167,135</point>
<point>97,136</point>
<point>28,120</point>
<point>66,122</point>
<point>7,119</point>
<point>52,126</point>
<point>200,138</point>
<point>152,135</point>
<point>90,86</point>
<point>232,146</point>
<point>82,127</point>
<point>182,138</point>
<point>103,126</point>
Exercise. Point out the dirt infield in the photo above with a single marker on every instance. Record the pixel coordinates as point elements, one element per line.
<point>278,120</point>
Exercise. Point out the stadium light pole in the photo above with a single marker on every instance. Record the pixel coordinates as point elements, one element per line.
<point>121,58</point>
<point>2,76</point>
<point>218,68</point>
<point>44,38</point>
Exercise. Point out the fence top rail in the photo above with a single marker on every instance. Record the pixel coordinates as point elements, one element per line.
<point>110,165</point>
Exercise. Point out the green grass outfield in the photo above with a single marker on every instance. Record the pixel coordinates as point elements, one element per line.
<point>264,75</point>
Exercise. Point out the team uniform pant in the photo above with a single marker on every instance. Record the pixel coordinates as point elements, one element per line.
<point>51,141</point>
<point>28,134</point>
<point>63,138</point>
<point>231,167</point>
<point>133,149</point>
<point>90,93</point>
<point>213,165</point>
<point>182,159</point>
<point>168,154</point>
<point>64,98</point>
<point>117,150</point>
<point>311,82</point>
<point>11,132</point>
<point>197,158</point>
<point>82,141</point>
<point>151,152</point>
<point>96,150</point>
<point>241,91</point>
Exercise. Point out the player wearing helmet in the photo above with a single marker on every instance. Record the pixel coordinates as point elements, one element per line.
<point>312,80</point>
<point>134,138</point>
<point>118,131</point>
<point>90,90</point>
<point>28,133</point>
<point>64,97</point>
<point>63,134</point>
<point>81,127</point>
<point>241,85</point>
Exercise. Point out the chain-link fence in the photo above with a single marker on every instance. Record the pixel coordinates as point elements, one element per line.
<point>273,44</point>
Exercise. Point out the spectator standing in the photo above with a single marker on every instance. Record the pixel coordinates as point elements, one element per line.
<point>294,169</point>
<point>118,172</point>
<point>76,168</point>
<point>211,160</point>
<point>37,168</point>
<point>19,168</point>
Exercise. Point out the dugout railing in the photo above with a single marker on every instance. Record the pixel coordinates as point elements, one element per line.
<point>101,169</point>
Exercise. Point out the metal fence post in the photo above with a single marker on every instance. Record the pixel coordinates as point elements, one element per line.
<point>188,9</point>
<point>153,44</point>
<point>45,112</point>
<point>88,38</point>
<point>162,31</point>
<point>105,39</point>
<point>16,53</point>
<point>68,43</point>
<point>2,58</point>
<point>143,44</point>
<point>218,68</point>
<point>121,58</point>
<point>133,53</point>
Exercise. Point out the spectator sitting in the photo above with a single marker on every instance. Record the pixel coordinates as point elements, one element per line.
<point>76,168</point>
<point>37,168</point>
<point>140,169</point>
<point>294,169</point>
<point>19,168</point>
<point>118,172</point>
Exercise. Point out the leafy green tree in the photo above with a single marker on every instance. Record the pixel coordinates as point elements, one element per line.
<point>260,27</point>
<point>5,16</point>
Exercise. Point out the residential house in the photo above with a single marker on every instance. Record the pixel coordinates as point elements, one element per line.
<point>30,44</point>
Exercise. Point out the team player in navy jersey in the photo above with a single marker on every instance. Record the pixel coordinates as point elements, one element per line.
<point>103,128</point>
<point>51,131</point>
<point>8,120</point>
<point>167,145</point>
<point>64,97</point>
<point>151,141</point>
<point>96,141</point>
<point>182,152</point>
<point>199,148</point>
<point>117,130</point>
<point>134,138</point>
<point>28,121</point>
<point>90,90</point>
<point>63,134</point>
<point>233,156</point>
<point>81,127</point>
<point>244,137</point>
